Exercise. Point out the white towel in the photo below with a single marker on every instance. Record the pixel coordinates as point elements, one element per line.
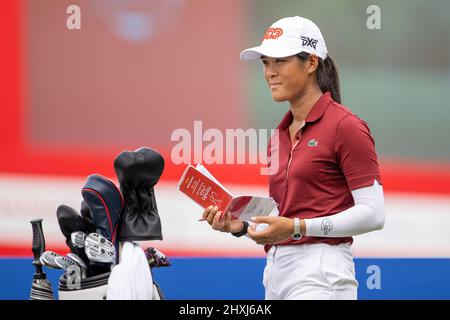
<point>131,279</point>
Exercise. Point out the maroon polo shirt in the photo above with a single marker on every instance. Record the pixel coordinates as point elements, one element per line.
<point>335,154</point>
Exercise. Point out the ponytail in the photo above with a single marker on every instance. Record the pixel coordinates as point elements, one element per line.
<point>327,76</point>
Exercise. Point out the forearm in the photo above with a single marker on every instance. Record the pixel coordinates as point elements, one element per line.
<point>366,215</point>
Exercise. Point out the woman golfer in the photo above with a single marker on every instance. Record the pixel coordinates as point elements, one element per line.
<point>327,184</point>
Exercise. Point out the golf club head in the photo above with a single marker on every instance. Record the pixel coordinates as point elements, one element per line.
<point>99,249</point>
<point>71,221</point>
<point>80,263</point>
<point>65,263</point>
<point>73,270</point>
<point>77,260</point>
<point>48,259</point>
<point>78,238</point>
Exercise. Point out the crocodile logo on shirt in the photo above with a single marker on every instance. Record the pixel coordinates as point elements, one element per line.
<point>313,143</point>
<point>326,226</point>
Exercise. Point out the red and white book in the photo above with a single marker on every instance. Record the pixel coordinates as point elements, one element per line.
<point>201,186</point>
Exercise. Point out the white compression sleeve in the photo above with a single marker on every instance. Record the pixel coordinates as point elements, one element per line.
<point>366,215</point>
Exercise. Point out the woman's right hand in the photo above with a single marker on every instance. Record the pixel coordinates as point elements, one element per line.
<point>219,222</point>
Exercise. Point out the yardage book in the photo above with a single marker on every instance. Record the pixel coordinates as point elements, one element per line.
<point>201,186</point>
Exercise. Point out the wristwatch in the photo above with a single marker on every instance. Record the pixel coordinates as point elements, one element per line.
<point>243,231</point>
<point>296,235</point>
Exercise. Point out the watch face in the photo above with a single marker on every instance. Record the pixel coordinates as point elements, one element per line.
<point>296,236</point>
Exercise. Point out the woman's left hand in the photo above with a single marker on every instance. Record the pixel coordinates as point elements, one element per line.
<point>278,229</point>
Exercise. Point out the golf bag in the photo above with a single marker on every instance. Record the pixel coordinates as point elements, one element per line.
<point>110,218</point>
<point>92,288</point>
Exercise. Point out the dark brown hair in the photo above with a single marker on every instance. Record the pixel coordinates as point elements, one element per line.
<point>327,76</point>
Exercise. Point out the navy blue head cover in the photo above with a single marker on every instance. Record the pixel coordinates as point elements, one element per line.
<point>105,203</point>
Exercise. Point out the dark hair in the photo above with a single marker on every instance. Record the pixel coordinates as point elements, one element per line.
<point>327,76</point>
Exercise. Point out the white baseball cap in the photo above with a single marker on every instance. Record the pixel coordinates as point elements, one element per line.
<point>287,37</point>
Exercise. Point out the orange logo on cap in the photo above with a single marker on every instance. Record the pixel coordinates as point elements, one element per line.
<point>273,33</point>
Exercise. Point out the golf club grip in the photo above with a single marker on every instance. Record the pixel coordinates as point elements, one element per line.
<point>38,245</point>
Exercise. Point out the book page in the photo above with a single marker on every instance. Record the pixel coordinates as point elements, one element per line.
<point>246,207</point>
